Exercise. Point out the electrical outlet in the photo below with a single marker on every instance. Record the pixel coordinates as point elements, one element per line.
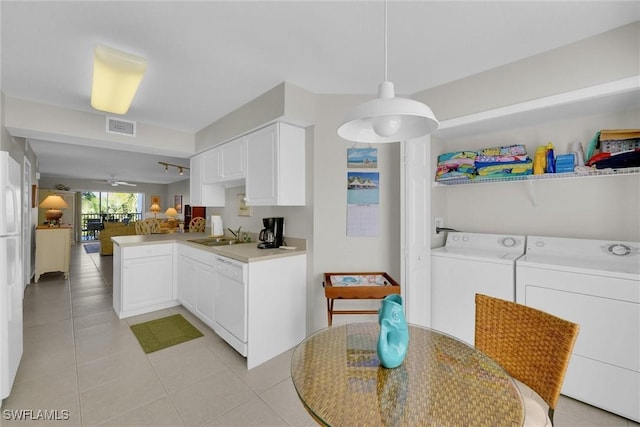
<point>439,223</point>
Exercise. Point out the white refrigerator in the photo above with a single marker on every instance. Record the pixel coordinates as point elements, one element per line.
<point>11,289</point>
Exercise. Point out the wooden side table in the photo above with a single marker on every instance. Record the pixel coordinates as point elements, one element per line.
<point>53,250</point>
<point>375,285</point>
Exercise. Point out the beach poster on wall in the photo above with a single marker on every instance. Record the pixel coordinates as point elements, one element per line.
<point>360,158</point>
<point>363,203</point>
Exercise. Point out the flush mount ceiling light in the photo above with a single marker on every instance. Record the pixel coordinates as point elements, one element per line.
<point>116,77</point>
<point>388,118</point>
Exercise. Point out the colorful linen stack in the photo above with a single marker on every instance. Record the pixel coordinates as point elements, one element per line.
<point>456,165</point>
<point>500,162</point>
<point>494,162</point>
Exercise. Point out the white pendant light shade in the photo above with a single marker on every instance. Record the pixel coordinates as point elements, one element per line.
<point>116,77</point>
<point>388,119</point>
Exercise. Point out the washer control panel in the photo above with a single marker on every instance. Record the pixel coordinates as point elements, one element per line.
<point>478,241</point>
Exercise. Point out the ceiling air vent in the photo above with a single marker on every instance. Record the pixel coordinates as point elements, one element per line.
<point>121,127</point>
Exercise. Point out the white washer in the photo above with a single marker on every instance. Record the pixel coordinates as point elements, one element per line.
<point>470,263</point>
<point>594,283</point>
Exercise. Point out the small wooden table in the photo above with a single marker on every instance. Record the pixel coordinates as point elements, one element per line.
<point>442,381</point>
<point>356,286</point>
<point>53,250</point>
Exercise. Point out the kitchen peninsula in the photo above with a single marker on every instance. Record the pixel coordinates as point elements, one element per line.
<point>255,299</point>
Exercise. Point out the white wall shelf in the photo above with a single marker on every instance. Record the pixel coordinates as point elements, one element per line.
<point>615,96</point>
<point>618,95</point>
<point>542,177</point>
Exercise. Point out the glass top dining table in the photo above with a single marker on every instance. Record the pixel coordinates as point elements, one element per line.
<point>442,381</point>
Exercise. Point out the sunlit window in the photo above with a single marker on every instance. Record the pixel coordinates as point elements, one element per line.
<point>100,207</point>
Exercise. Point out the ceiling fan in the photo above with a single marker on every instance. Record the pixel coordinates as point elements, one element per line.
<point>114,183</point>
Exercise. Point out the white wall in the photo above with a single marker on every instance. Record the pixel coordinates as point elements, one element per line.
<point>334,250</point>
<point>597,208</point>
<point>39,121</point>
<point>603,58</point>
<point>261,110</point>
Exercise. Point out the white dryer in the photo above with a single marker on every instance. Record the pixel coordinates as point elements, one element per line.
<point>596,284</point>
<point>467,264</point>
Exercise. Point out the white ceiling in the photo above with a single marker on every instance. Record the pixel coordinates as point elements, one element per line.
<point>207,58</point>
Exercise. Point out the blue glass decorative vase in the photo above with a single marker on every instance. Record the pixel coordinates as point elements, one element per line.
<point>393,341</point>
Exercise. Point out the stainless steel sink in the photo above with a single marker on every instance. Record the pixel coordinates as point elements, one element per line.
<point>216,241</point>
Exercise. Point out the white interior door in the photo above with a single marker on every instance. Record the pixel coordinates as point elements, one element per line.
<point>416,230</point>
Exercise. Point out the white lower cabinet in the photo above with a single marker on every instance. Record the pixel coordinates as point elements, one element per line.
<point>205,289</point>
<point>259,307</point>
<point>276,307</point>
<point>196,282</point>
<point>186,281</point>
<point>144,279</point>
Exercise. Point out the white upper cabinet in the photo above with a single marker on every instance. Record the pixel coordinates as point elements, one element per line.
<point>276,166</point>
<point>224,163</point>
<point>203,193</point>
<point>269,162</point>
<point>212,166</point>
<point>234,159</point>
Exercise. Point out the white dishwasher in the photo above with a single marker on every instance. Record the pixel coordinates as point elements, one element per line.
<point>596,284</point>
<point>230,303</point>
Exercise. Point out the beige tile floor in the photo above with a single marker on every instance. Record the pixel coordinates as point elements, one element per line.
<point>79,357</point>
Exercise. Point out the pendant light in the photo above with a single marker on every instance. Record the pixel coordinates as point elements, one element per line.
<point>388,118</point>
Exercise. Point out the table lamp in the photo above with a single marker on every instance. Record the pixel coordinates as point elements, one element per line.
<point>53,203</point>
<point>171,220</point>
<point>155,208</point>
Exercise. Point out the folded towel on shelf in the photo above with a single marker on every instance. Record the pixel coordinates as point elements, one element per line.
<point>456,165</point>
<point>505,158</point>
<point>508,160</point>
<point>504,169</point>
<point>507,150</point>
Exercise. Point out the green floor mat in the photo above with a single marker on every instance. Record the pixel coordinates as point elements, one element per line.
<point>162,333</point>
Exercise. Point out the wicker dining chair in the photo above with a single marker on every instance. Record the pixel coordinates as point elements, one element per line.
<point>142,228</point>
<point>197,225</point>
<point>534,347</point>
<point>154,225</point>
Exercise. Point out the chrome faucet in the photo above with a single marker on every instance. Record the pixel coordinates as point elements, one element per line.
<point>236,233</point>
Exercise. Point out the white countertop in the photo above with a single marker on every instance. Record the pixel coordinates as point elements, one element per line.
<point>243,252</point>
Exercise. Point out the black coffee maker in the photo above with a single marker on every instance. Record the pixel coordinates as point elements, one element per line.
<point>271,236</point>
